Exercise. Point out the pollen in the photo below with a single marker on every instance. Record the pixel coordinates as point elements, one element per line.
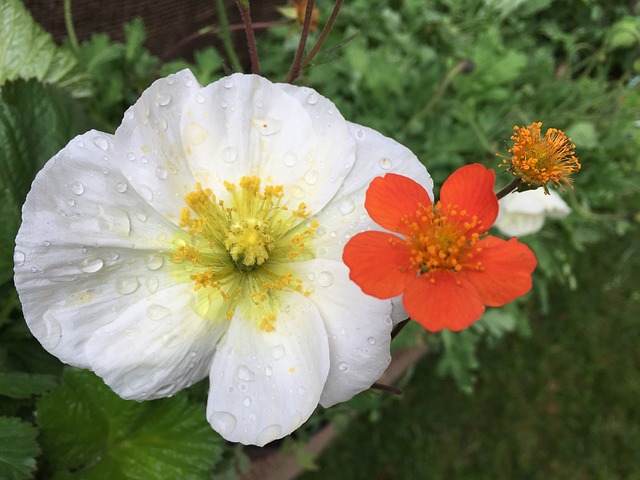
<point>240,246</point>
<point>440,238</point>
<point>538,160</point>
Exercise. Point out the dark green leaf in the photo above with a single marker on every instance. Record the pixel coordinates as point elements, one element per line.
<point>23,385</point>
<point>18,449</point>
<point>90,432</point>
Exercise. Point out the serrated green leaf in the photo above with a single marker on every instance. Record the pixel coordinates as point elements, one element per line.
<point>18,449</point>
<point>89,432</point>
<point>459,357</point>
<point>28,51</point>
<point>23,385</point>
<point>36,121</point>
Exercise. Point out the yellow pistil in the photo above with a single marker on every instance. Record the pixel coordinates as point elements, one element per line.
<point>440,238</point>
<point>537,160</point>
<point>238,249</point>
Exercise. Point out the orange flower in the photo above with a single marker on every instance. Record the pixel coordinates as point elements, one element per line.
<point>537,160</point>
<point>444,263</point>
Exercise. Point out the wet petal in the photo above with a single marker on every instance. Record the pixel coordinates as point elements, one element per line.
<point>264,385</point>
<point>379,263</point>
<point>443,300</point>
<point>358,327</point>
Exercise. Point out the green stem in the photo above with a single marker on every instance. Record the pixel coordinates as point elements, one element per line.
<point>294,71</point>
<point>68,21</point>
<point>245,11</point>
<point>225,34</point>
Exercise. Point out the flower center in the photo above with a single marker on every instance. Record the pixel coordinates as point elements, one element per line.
<point>440,238</point>
<point>241,249</point>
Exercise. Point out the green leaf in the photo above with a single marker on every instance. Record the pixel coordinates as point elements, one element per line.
<point>459,357</point>
<point>36,121</point>
<point>28,51</point>
<point>18,449</point>
<point>21,385</point>
<point>89,432</point>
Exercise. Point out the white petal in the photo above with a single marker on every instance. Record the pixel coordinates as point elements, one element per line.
<point>265,385</point>
<point>345,215</point>
<point>149,144</point>
<point>398,312</point>
<point>156,346</point>
<point>84,230</point>
<point>523,213</point>
<point>247,125</point>
<point>358,327</point>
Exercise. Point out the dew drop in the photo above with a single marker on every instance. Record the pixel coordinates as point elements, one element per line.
<point>343,331</point>
<point>157,312</point>
<point>152,284</point>
<point>385,163</point>
<point>302,391</point>
<point>246,402</point>
<point>163,99</point>
<point>277,352</point>
<point>153,261</point>
<point>371,341</point>
<point>346,206</point>
<point>199,98</point>
<point>19,257</point>
<point>223,422</point>
<point>163,123</point>
<point>267,126</point>
<point>269,434</point>
<point>246,374</point>
<point>268,371</point>
<point>311,276</point>
<point>360,134</point>
<point>127,285</point>
<point>71,203</point>
<point>101,143</point>
<point>161,173</point>
<point>229,154</point>
<point>91,266</point>
<point>311,177</point>
<point>145,192</point>
<point>224,104</point>
<point>290,159</point>
<point>297,191</point>
<point>227,82</point>
<point>343,367</point>
<point>121,187</point>
<point>80,144</point>
<point>142,217</point>
<point>46,243</point>
<point>325,279</point>
<point>312,98</point>
<point>194,135</point>
<point>77,188</point>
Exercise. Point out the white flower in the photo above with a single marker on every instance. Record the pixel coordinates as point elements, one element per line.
<point>524,213</point>
<point>205,238</point>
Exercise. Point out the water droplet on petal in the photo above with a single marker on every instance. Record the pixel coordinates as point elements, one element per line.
<point>77,188</point>
<point>290,159</point>
<point>194,135</point>
<point>152,284</point>
<point>269,434</point>
<point>302,390</point>
<point>145,192</point>
<point>91,266</point>
<point>343,331</point>
<point>153,261</point>
<point>142,217</point>
<point>313,98</point>
<point>371,341</point>
<point>157,312</point>
<point>325,279</point>
<point>360,134</point>
<point>311,177</point>
<point>101,143</point>
<point>199,98</point>
<point>127,285</point>
<point>19,258</point>
<point>346,206</point>
<point>80,144</point>
<point>161,173</point>
<point>267,126</point>
<point>227,82</point>
<point>229,154</point>
<point>297,191</point>
<point>246,374</point>
<point>246,402</point>
<point>164,99</point>
<point>223,422</point>
<point>277,352</point>
<point>121,187</point>
<point>342,366</point>
<point>268,371</point>
<point>385,163</point>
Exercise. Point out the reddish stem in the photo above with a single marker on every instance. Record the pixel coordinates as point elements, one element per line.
<point>251,39</point>
<point>294,71</point>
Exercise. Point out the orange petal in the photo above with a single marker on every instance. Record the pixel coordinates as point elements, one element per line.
<point>505,272</point>
<point>378,263</point>
<point>442,300</point>
<point>470,188</point>
<point>391,197</point>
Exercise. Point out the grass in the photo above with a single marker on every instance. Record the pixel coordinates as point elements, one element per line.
<point>562,403</point>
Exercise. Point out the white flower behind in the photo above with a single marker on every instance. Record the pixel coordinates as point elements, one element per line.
<point>524,213</point>
<point>204,238</point>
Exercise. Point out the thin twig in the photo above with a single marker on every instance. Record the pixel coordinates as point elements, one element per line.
<point>245,11</point>
<point>225,33</point>
<point>68,22</point>
<point>508,189</point>
<point>294,71</point>
<point>386,388</point>
<point>323,35</point>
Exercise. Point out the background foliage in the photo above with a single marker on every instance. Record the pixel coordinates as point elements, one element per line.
<point>554,379</point>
